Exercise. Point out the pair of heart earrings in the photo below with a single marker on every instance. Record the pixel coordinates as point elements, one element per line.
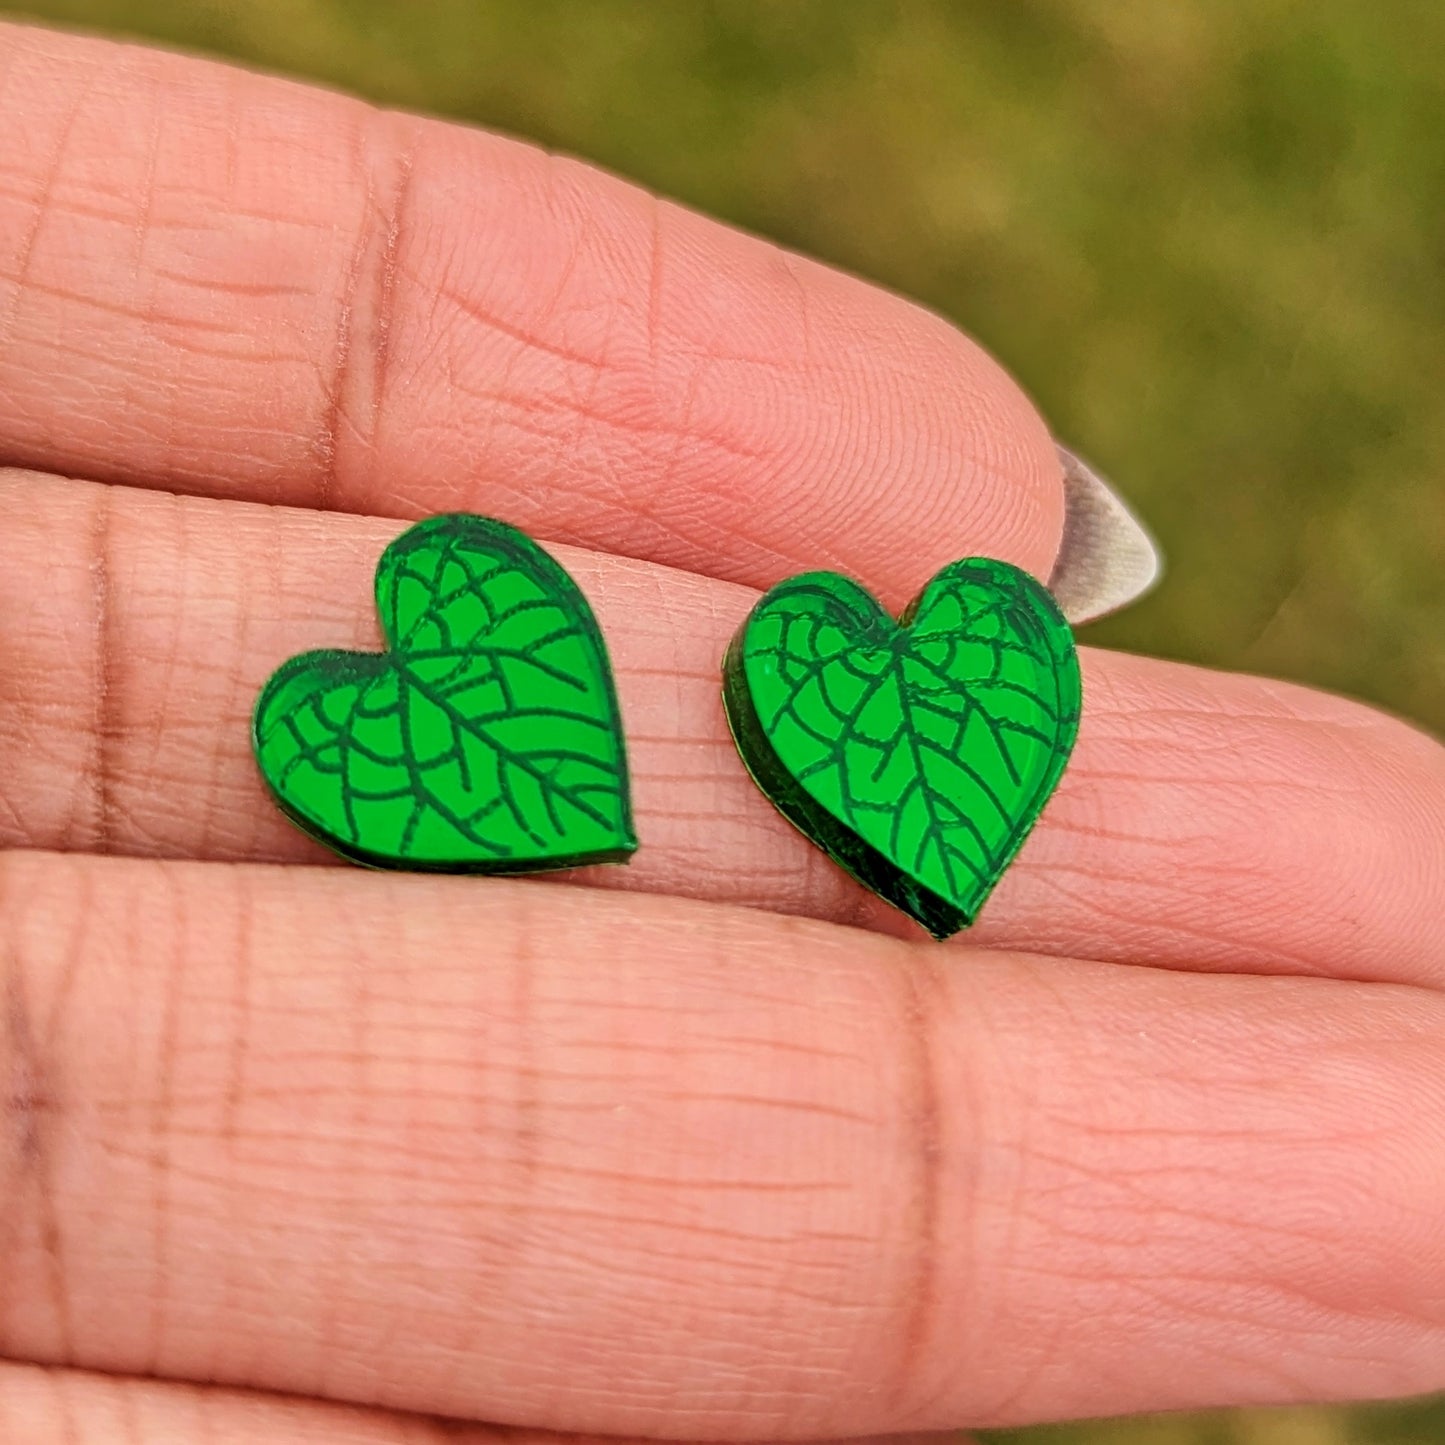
<point>916,753</point>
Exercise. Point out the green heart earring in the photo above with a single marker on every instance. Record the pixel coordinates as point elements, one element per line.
<point>486,739</point>
<point>917,753</point>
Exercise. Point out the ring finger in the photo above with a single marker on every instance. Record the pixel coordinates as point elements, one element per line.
<point>597,1161</point>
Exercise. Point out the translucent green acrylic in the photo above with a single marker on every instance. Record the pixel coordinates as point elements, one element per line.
<point>918,753</point>
<point>486,739</point>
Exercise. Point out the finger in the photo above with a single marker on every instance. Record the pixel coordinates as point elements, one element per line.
<point>1206,821</point>
<point>74,1407</point>
<point>40,1406</point>
<point>48,1406</point>
<point>219,282</point>
<point>588,1161</point>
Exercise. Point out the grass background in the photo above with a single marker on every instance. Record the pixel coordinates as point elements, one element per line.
<point>1208,237</point>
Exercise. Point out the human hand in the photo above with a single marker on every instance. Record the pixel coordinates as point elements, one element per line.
<point>1163,1130</point>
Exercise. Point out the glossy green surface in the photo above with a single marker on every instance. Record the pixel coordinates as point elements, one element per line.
<point>918,753</point>
<point>486,739</point>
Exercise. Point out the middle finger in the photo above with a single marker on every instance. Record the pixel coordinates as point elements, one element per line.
<point>1206,821</point>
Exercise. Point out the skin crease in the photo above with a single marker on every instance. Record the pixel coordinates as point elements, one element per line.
<point>1163,1131</point>
<point>39,1406</point>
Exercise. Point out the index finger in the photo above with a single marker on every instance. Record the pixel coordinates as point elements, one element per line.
<point>219,282</point>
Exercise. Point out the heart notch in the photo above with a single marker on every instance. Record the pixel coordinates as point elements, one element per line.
<point>486,738</point>
<point>917,753</point>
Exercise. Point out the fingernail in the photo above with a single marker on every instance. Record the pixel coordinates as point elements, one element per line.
<point>1107,559</point>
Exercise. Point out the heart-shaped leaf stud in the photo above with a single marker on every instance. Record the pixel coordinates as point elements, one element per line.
<point>486,739</point>
<point>916,753</point>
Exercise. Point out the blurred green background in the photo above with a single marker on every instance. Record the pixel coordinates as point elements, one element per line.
<point>1209,237</point>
